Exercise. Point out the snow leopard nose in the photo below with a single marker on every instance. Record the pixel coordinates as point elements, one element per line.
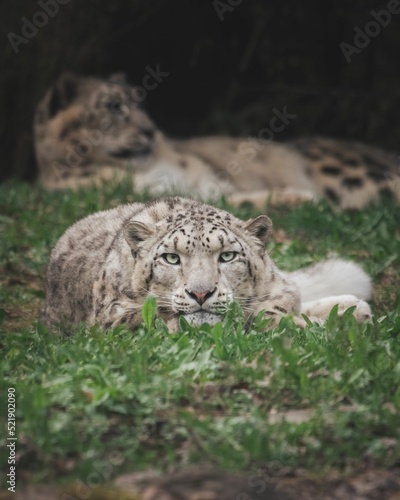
<point>200,297</point>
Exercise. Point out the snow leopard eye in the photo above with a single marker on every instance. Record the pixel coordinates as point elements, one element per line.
<point>115,106</point>
<point>171,258</point>
<point>227,256</point>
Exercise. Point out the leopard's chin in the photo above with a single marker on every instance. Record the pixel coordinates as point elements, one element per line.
<point>200,317</point>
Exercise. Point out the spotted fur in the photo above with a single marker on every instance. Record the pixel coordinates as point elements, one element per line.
<point>193,258</point>
<point>89,130</point>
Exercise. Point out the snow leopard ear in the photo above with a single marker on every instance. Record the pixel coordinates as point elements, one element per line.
<point>63,92</point>
<point>135,232</point>
<point>260,227</point>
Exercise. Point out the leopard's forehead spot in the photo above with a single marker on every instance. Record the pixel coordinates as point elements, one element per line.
<point>107,92</point>
<point>202,215</point>
<point>200,229</point>
<point>198,233</point>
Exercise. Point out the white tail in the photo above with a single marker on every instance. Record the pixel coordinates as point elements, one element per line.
<point>332,277</point>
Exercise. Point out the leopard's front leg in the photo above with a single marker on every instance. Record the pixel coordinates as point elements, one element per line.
<point>319,309</point>
<point>283,299</point>
<point>117,313</point>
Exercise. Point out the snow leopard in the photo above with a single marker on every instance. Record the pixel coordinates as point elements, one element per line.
<point>195,260</point>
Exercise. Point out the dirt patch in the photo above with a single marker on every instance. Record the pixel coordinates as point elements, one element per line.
<point>23,293</point>
<point>19,317</point>
<point>208,484</point>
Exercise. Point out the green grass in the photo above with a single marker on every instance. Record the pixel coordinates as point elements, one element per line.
<point>130,401</point>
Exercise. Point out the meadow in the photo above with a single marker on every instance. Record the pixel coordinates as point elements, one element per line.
<point>323,398</point>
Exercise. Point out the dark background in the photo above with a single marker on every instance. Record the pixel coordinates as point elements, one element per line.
<point>226,76</point>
